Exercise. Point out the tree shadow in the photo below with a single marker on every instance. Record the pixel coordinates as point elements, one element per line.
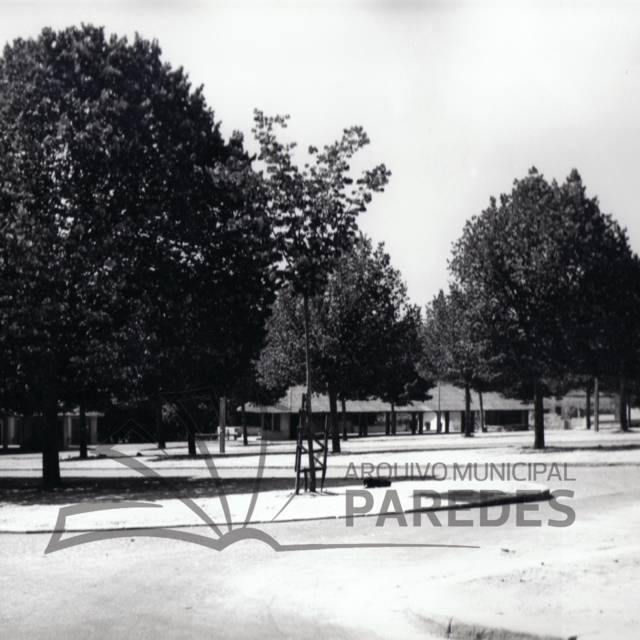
<point>29,491</point>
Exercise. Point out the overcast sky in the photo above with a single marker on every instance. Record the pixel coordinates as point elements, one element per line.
<point>458,98</point>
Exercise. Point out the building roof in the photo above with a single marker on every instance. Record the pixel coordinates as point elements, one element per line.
<point>446,396</point>
<point>292,401</point>
<point>76,414</point>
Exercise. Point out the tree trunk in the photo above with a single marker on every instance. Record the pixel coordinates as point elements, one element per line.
<point>83,432</point>
<point>439,422</point>
<point>394,422</point>
<point>51,437</point>
<point>245,436</point>
<point>387,423</point>
<point>191,435</point>
<point>191,441</point>
<point>5,430</point>
<point>596,406</point>
<point>421,423</point>
<point>538,415</point>
<point>335,427</point>
<point>223,425</point>
<point>447,421</point>
<point>344,420</point>
<point>162,444</point>
<point>307,349</point>
<point>588,407</point>
<point>624,425</point>
<point>483,426</point>
<point>467,411</point>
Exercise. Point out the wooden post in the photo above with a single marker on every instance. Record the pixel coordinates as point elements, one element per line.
<point>245,437</point>
<point>596,406</point>
<point>83,432</point>
<point>223,424</point>
<point>344,420</point>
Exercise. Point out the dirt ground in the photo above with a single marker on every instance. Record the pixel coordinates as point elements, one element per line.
<point>580,580</point>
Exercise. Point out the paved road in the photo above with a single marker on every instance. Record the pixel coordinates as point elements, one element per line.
<point>557,580</point>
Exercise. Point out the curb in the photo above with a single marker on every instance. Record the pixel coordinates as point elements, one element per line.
<point>541,494</point>
<point>454,628</point>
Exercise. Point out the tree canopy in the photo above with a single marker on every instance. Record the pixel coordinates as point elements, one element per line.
<point>131,238</point>
<point>313,210</point>
<point>454,348</point>
<point>535,267</point>
<point>363,334</point>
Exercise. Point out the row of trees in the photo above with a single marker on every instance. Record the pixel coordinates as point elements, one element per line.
<point>365,336</point>
<point>140,253</point>
<point>545,296</point>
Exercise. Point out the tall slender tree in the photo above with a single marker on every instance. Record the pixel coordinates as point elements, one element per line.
<point>313,213</point>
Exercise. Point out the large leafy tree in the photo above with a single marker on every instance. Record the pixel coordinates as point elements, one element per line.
<point>129,239</point>
<point>454,348</point>
<point>313,212</point>
<point>534,267</point>
<point>400,377</point>
<point>610,351</point>
<point>358,334</point>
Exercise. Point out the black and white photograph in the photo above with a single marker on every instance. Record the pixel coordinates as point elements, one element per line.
<point>319,319</point>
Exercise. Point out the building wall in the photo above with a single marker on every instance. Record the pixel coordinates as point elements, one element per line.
<point>275,426</point>
<point>20,429</point>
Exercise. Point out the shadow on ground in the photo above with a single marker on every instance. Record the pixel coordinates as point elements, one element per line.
<point>28,491</point>
<point>586,447</point>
